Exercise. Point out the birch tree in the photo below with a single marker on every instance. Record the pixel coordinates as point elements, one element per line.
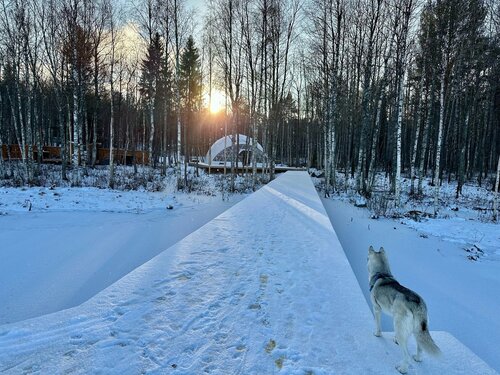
<point>112,31</point>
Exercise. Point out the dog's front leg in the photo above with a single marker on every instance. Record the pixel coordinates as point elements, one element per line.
<point>376,313</point>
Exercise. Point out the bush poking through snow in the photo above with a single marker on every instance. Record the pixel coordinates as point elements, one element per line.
<point>27,204</point>
<point>474,253</point>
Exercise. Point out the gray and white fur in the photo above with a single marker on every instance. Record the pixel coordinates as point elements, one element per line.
<point>407,308</point>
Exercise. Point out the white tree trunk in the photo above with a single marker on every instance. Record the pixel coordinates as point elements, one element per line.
<point>417,136</point>
<point>332,150</point>
<point>1,139</point>
<point>439,142</point>
<point>111,140</point>
<point>112,109</point>
<point>177,88</point>
<point>326,157</point>
<point>151,129</point>
<point>425,142</point>
<point>397,190</point>
<point>376,130</point>
<point>76,119</point>
<point>495,200</point>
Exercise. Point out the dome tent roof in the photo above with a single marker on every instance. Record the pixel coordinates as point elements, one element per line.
<point>225,143</point>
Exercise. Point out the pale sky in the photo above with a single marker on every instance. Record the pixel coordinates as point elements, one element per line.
<point>199,5</point>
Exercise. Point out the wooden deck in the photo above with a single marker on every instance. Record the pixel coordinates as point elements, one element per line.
<point>219,168</point>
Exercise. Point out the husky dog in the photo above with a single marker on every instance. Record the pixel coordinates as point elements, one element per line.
<point>407,308</point>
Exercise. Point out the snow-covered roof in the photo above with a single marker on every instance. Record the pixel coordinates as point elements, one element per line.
<point>227,142</point>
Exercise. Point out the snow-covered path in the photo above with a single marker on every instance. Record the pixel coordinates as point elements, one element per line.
<point>264,288</point>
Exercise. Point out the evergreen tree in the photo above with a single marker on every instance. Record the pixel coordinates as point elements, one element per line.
<point>190,80</point>
<point>190,92</point>
<point>151,82</point>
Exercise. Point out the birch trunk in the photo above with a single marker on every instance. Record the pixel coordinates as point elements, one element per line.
<point>397,190</point>
<point>371,167</point>
<point>439,142</point>
<point>326,162</point>
<point>111,140</point>
<point>425,142</point>
<point>112,106</point>
<point>28,118</point>
<point>177,91</point>
<point>151,129</point>
<point>1,138</point>
<point>365,105</point>
<point>20,129</point>
<point>76,118</point>
<point>96,108</point>
<point>417,136</point>
<point>332,150</point>
<point>461,163</point>
<point>495,200</point>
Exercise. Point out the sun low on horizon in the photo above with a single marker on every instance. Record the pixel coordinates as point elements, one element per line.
<point>217,102</point>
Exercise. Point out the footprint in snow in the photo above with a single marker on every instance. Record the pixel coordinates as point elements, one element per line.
<point>263,279</point>
<point>184,277</point>
<point>270,346</point>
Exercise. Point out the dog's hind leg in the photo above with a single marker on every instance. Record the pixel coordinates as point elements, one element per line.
<point>402,334</point>
<point>376,313</point>
<point>418,357</point>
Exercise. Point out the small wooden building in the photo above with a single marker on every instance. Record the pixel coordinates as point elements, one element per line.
<point>52,154</point>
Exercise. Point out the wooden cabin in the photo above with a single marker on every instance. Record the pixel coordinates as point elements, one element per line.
<point>52,154</point>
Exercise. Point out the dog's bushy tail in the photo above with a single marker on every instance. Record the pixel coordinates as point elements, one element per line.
<point>425,340</point>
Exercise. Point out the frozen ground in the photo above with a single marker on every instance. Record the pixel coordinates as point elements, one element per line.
<point>431,257</point>
<point>75,242</point>
<point>263,288</point>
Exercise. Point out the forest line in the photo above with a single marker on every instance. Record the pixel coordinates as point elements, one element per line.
<point>406,87</point>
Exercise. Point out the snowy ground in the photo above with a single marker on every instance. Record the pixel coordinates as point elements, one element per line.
<point>433,258</point>
<point>75,242</point>
<point>264,288</point>
<point>474,203</point>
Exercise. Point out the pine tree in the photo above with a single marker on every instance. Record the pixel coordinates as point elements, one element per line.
<point>190,71</point>
<point>190,90</point>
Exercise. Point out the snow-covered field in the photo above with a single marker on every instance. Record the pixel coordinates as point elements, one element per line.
<point>263,288</point>
<point>433,258</point>
<point>77,241</point>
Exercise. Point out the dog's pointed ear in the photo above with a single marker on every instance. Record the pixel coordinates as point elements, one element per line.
<point>382,250</point>
<point>370,249</point>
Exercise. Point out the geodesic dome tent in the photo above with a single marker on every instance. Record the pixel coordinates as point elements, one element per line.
<point>223,148</point>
